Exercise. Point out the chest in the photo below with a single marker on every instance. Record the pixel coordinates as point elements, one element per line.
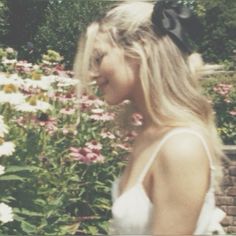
<point>138,168</point>
<point>132,196</point>
<point>134,169</point>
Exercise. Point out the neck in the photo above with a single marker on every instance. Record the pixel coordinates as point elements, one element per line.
<point>140,107</point>
<point>138,99</point>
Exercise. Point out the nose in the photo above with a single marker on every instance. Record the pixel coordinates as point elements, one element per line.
<point>94,75</point>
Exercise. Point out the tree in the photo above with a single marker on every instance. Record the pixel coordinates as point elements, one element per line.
<point>24,18</point>
<point>63,23</point>
<point>220,30</point>
<point>4,24</point>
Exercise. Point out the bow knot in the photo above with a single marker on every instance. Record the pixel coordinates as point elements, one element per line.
<point>172,18</point>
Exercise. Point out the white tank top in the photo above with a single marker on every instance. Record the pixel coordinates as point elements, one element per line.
<point>132,210</point>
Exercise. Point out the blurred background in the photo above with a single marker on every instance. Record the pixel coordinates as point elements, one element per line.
<point>33,26</point>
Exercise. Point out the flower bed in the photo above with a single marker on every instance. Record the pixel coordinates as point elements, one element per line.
<point>221,90</point>
<point>56,163</point>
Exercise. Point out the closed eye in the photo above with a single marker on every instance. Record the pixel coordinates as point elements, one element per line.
<point>97,58</point>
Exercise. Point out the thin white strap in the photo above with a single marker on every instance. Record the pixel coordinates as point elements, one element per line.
<point>166,137</point>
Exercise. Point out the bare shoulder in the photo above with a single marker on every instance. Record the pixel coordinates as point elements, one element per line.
<point>180,181</point>
<point>182,162</point>
<point>185,149</point>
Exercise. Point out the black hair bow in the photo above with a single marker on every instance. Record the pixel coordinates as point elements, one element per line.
<point>172,18</point>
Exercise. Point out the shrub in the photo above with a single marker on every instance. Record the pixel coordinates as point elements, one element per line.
<point>63,23</point>
<point>221,90</point>
<point>219,21</point>
<point>4,24</point>
<point>57,165</point>
<point>24,19</point>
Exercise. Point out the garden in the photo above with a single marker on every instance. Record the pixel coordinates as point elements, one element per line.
<point>60,151</point>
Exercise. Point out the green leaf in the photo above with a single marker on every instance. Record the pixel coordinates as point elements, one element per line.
<point>40,202</point>
<point>11,177</point>
<point>93,230</point>
<point>69,229</point>
<point>27,227</point>
<point>24,211</point>
<point>11,169</point>
<point>75,179</point>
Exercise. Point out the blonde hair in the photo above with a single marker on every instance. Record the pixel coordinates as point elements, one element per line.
<point>169,77</point>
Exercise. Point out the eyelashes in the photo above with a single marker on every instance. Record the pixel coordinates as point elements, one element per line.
<point>97,58</point>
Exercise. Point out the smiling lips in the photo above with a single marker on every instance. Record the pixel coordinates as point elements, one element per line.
<point>102,84</point>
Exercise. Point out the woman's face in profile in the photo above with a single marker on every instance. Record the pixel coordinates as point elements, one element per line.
<point>115,74</point>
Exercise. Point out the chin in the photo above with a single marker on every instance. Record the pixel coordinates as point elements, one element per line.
<point>113,102</point>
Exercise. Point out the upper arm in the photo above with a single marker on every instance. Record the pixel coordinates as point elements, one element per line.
<point>181,179</point>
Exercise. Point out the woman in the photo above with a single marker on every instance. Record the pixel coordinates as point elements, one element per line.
<point>139,52</point>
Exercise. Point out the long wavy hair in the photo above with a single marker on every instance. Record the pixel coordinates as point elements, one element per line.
<point>169,78</point>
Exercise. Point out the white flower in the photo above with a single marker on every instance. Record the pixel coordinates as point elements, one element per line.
<point>64,81</point>
<point>47,62</point>
<point>7,149</point>
<point>98,111</point>
<point>43,83</point>
<point>6,214</point>
<point>2,170</point>
<point>8,61</point>
<point>12,98</point>
<point>11,79</point>
<point>10,50</point>
<point>3,127</point>
<point>24,64</point>
<point>36,67</point>
<point>39,106</point>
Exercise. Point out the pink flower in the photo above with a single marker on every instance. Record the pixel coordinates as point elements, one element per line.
<point>86,155</point>
<point>223,89</point>
<point>67,111</point>
<point>86,101</point>
<point>106,116</point>
<point>125,147</point>
<point>137,119</point>
<point>21,121</point>
<point>233,112</point>
<point>66,97</point>
<point>94,145</point>
<point>95,157</point>
<point>130,136</point>
<point>49,123</point>
<point>107,134</point>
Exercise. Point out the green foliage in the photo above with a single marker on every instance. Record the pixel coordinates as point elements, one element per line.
<point>4,24</point>
<point>221,90</point>
<point>52,57</point>
<point>63,23</point>
<point>57,25</point>
<point>50,191</point>
<point>219,22</point>
<point>24,18</point>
